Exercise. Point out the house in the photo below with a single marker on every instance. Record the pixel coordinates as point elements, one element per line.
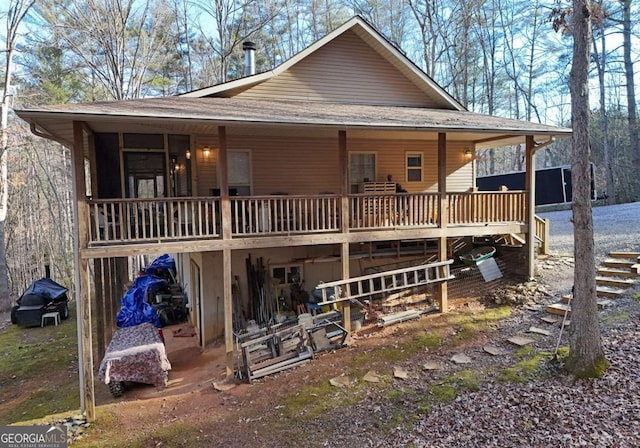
<point>289,167</point>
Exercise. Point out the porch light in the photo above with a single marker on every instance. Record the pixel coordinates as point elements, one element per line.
<point>187,154</point>
<point>206,151</point>
<point>468,154</point>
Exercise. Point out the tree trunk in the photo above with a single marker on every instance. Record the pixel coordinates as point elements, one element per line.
<point>604,118</point>
<point>631,95</point>
<point>586,356</point>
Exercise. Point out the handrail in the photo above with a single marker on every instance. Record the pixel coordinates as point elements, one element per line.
<point>542,233</point>
<point>125,221</point>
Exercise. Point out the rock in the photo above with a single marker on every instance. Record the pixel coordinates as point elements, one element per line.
<point>493,350</point>
<point>371,377</point>
<point>521,341</point>
<point>461,358</point>
<point>223,387</point>
<point>400,372</point>
<point>342,381</point>
<point>432,365</point>
<point>539,331</point>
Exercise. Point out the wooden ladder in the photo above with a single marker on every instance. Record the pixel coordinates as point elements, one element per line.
<point>385,282</point>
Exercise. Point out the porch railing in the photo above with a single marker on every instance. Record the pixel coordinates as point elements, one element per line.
<point>376,211</point>
<point>121,221</point>
<point>144,220</point>
<point>259,215</point>
<point>487,207</point>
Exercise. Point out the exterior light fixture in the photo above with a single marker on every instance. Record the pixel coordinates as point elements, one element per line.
<point>187,154</point>
<point>468,154</point>
<point>206,151</point>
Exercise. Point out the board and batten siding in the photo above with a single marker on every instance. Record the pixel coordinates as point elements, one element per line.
<point>346,70</point>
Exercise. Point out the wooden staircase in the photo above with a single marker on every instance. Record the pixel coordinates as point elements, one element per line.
<point>618,273</point>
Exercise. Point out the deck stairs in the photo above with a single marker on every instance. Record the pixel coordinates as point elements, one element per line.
<point>381,283</point>
<point>618,272</point>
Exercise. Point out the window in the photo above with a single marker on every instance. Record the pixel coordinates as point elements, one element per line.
<point>414,167</point>
<point>287,274</point>
<point>239,171</point>
<point>362,168</point>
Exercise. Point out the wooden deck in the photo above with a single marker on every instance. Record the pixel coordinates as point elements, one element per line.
<point>169,220</point>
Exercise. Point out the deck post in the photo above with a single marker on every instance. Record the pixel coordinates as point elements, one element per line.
<point>81,280</point>
<point>223,183</point>
<point>346,304</point>
<point>228,309</point>
<point>443,219</point>
<point>225,207</point>
<point>343,158</point>
<point>344,221</point>
<point>530,185</point>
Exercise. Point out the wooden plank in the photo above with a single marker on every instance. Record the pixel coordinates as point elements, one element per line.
<point>605,291</point>
<point>614,282</point>
<point>559,309</point>
<point>631,255</point>
<point>613,272</point>
<point>617,263</point>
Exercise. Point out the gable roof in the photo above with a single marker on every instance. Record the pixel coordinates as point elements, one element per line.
<point>398,70</point>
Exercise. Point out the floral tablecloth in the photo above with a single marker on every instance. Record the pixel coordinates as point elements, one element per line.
<point>136,354</point>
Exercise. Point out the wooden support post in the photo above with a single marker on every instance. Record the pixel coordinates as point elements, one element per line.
<point>443,221</point>
<point>545,236</point>
<point>343,159</point>
<point>223,183</point>
<point>81,232</point>
<point>228,308</point>
<point>530,185</point>
<point>101,306</point>
<point>346,305</point>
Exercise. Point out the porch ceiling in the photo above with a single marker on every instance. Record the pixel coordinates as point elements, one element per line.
<point>258,117</point>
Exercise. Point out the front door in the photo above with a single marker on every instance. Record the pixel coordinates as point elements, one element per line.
<point>145,174</point>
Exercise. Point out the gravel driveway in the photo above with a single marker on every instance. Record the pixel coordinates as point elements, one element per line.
<point>615,228</point>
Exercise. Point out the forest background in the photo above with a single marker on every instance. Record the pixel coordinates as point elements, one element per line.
<point>499,57</point>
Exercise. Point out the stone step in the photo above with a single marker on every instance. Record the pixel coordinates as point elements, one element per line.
<point>618,263</point>
<point>607,291</point>
<point>613,272</point>
<point>614,282</point>
<point>631,255</point>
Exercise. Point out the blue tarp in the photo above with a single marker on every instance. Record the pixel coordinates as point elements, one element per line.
<point>160,264</point>
<point>46,288</point>
<point>134,309</point>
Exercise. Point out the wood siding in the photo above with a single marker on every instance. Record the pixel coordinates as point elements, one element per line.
<point>346,70</point>
<point>299,166</point>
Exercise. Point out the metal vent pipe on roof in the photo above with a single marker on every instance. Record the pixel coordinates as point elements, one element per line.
<point>249,58</point>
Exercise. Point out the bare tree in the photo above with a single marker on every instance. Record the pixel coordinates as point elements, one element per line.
<point>18,10</point>
<point>586,356</point>
<point>123,43</point>
<point>600,59</point>
<point>631,94</point>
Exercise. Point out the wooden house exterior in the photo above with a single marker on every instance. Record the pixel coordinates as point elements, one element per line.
<point>289,165</point>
